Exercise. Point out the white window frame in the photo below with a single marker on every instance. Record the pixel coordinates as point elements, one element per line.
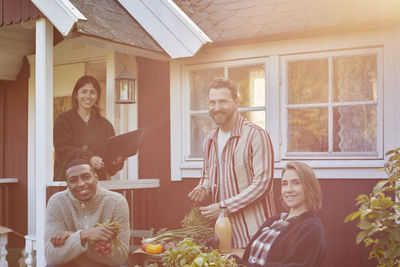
<point>329,168</point>
<point>191,167</point>
<point>186,94</point>
<point>378,51</point>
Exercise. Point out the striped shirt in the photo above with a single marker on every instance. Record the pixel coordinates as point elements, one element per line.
<point>247,177</point>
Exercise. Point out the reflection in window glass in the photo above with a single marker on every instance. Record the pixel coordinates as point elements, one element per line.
<point>199,80</point>
<point>250,81</point>
<point>354,128</point>
<point>355,78</point>
<point>200,126</point>
<point>258,117</point>
<point>308,130</point>
<point>308,81</point>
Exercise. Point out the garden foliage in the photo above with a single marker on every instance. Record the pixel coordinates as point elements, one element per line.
<point>379,215</point>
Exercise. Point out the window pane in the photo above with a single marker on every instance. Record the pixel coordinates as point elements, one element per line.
<point>250,81</point>
<point>258,117</point>
<point>200,126</point>
<point>199,80</point>
<point>354,128</point>
<point>308,130</point>
<point>355,78</point>
<point>308,81</point>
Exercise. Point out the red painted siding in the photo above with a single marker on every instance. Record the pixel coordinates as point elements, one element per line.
<point>15,11</point>
<point>339,201</point>
<point>2,131</point>
<point>13,139</point>
<point>154,158</point>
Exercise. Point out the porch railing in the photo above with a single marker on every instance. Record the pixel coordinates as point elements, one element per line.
<point>5,187</point>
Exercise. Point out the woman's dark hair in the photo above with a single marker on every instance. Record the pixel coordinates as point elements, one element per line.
<point>312,189</point>
<point>81,82</point>
<point>220,82</point>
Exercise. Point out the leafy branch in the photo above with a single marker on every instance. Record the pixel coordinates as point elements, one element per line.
<point>379,214</point>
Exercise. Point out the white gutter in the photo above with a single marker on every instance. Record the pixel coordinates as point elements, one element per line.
<point>61,13</point>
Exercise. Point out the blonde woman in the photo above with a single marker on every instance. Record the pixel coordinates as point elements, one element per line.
<point>295,238</point>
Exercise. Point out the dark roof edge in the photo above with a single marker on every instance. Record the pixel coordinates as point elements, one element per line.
<point>121,47</point>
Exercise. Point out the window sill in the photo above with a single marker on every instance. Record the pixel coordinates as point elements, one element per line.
<point>8,180</point>
<point>324,169</point>
<point>120,184</point>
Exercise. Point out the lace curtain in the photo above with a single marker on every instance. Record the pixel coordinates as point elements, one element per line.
<point>355,79</point>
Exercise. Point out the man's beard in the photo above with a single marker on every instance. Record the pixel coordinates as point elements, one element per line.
<point>221,118</point>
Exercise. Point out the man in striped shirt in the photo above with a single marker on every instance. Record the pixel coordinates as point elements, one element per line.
<point>238,166</point>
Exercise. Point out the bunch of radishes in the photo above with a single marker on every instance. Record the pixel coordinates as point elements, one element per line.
<point>105,247</point>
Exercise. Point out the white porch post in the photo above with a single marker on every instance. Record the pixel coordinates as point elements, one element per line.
<point>3,250</point>
<point>44,127</point>
<point>110,87</point>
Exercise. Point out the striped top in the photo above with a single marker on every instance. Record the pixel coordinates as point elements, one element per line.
<point>247,177</point>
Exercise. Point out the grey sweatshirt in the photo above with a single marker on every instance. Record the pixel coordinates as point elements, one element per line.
<point>66,213</point>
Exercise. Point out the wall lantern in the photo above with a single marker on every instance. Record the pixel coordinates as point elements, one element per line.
<point>125,87</point>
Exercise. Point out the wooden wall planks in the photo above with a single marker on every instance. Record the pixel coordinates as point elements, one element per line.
<point>15,11</point>
<point>14,138</point>
<point>2,130</point>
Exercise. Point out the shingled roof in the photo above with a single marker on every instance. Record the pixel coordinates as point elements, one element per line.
<point>241,20</point>
<point>106,19</point>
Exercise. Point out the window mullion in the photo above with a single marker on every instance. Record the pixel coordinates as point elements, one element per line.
<point>354,103</point>
<point>192,112</point>
<point>313,105</point>
<point>330,106</point>
<point>249,109</point>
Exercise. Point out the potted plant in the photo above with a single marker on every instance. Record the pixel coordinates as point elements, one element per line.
<point>378,215</point>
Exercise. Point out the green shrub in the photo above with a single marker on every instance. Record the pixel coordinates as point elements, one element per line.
<point>378,215</point>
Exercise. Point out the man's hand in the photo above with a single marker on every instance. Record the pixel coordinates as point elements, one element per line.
<point>118,160</point>
<point>96,162</point>
<point>58,240</point>
<point>211,211</point>
<point>98,233</point>
<point>198,194</point>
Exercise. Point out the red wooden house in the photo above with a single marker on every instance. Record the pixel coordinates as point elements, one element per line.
<point>322,77</point>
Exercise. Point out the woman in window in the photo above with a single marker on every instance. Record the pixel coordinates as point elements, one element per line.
<point>82,132</point>
<point>295,238</point>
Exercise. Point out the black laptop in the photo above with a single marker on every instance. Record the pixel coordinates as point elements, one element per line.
<point>123,145</point>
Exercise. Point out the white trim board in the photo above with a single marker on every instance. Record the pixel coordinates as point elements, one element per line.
<point>332,170</point>
<point>62,14</point>
<point>175,32</point>
<point>120,184</point>
<point>8,180</point>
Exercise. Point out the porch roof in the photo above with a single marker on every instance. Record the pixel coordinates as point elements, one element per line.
<point>106,19</point>
<point>158,26</point>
